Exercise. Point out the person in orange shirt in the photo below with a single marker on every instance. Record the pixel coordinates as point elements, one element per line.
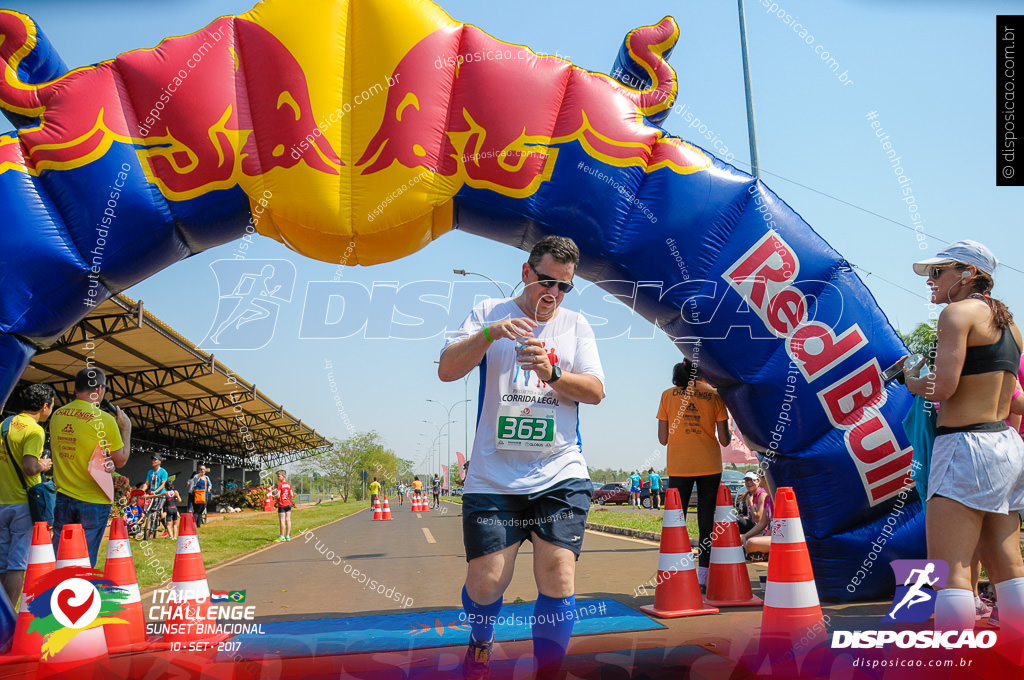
<point>417,488</point>
<point>690,415</point>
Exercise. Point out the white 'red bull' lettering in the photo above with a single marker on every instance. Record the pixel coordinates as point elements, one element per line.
<point>763,276</point>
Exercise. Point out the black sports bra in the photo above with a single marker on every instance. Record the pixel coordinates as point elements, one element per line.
<point>1003,355</point>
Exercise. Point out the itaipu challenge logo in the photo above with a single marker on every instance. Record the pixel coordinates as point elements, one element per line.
<point>69,601</point>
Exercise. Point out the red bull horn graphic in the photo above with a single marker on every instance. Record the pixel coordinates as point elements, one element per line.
<point>500,140</point>
<point>193,138</point>
<point>357,132</point>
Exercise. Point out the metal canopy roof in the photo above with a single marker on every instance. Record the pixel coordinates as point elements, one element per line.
<point>182,402</point>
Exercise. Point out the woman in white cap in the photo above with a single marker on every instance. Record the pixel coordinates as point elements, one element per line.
<point>977,466</point>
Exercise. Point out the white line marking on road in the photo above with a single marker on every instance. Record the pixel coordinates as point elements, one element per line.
<point>430,537</point>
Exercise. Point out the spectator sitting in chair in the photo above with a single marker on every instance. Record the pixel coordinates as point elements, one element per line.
<point>750,504</point>
<point>759,538</point>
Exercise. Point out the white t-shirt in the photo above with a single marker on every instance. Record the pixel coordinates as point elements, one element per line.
<point>509,391</point>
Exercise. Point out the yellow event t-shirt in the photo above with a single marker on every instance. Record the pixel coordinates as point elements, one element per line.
<point>417,485</point>
<point>26,438</point>
<point>693,448</point>
<point>375,488</point>
<point>77,430</point>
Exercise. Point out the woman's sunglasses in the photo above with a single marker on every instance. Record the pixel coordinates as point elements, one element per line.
<point>546,281</point>
<point>935,272</point>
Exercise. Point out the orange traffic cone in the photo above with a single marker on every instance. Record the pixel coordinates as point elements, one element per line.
<point>791,603</point>
<point>189,598</point>
<point>677,592</point>
<point>728,580</point>
<point>387,510</point>
<point>120,570</point>
<point>268,503</point>
<point>89,645</point>
<point>415,502</point>
<point>377,515</point>
<point>426,503</point>
<point>40,563</point>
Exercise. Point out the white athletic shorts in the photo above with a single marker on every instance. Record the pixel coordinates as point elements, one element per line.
<point>982,470</point>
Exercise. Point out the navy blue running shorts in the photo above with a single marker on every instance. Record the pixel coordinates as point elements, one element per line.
<point>558,514</point>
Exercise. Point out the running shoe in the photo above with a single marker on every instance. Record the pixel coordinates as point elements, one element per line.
<point>287,538</point>
<point>280,539</point>
<point>476,665</point>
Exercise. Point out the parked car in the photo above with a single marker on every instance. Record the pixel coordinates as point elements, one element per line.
<point>618,493</point>
<point>734,480</point>
<point>731,478</point>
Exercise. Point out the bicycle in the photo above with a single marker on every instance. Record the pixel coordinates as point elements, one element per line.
<point>154,506</point>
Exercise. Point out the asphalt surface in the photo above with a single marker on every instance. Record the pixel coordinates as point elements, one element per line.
<point>419,557</point>
<point>419,561</point>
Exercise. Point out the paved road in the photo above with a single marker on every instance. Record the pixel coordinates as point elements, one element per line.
<point>418,557</point>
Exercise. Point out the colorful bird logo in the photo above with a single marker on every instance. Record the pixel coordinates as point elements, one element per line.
<point>70,600</point>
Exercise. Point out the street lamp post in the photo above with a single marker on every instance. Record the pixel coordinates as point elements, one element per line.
<point>448,423</point>
<point>437,438</point>
<point>463,272</point>
<point>755,163</point>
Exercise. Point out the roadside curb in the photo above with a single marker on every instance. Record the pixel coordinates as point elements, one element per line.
<point>625,531</point>
<point>653,536</point>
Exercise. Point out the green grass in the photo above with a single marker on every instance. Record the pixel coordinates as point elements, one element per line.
<point>224,537</point>
<point>636,520</point>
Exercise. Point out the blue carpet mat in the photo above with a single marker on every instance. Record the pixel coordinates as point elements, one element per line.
<point>399,632</point>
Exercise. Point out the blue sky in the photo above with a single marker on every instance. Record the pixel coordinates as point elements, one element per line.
<point>927,70</point>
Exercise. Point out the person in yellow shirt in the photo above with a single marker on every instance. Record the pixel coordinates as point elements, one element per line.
<point>88,444</point>
<point>23,446</point>
<point>417,488</point>
<point>689,416</point>
<point>374,491</point>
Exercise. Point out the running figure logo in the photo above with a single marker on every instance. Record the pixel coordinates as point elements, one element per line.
<point>251,293</point>
<point>915,599</point>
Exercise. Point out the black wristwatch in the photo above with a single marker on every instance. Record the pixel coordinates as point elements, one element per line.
<point>556,373</point>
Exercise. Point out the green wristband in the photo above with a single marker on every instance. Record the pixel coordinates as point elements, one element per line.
<point>488,335</point>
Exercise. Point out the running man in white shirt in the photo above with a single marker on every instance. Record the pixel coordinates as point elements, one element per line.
<point>528,480</point>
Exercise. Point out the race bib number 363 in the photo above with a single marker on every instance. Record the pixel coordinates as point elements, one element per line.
<point>530,428</point>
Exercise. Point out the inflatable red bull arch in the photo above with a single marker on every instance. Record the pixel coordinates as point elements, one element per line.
<point>358,131</point>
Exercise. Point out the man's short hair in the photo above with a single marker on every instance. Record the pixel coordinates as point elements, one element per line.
<point>560,248</point>
<point>89,378</point>
<point>37,395</point>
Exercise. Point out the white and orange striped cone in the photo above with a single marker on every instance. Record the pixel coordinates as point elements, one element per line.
<point>728,580</point>
<point>89,646</point>
<point>426,503</point>
<point>387,510</point>
<point>189,598</point>
<point>40,563</point>
<point>416,506</point>
<point>791,605</point>
<point>677,592</point>
<point>268,502</point>
<point>377,515</point>
<point>120,570</point>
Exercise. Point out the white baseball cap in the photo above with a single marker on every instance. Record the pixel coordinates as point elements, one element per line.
<point>965,252</point>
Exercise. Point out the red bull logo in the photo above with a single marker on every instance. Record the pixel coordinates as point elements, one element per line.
<point>508,111</point>
<point>186,119</point>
